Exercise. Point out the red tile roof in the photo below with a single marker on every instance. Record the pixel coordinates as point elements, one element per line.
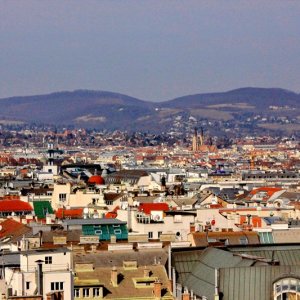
<point>112,214</point>
<point>69,213</point>
<point>14,206</point>
<point>268,190</point>
<point>13,229</point>
<point>148,207</point>
<point>96,179</point>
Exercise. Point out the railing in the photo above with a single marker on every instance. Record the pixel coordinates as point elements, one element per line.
<point>48,267</point>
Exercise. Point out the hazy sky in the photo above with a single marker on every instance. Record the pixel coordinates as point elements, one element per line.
<point>148,49</point>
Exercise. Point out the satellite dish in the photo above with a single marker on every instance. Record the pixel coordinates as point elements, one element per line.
<point>85,210</point>
<point>157,218</point>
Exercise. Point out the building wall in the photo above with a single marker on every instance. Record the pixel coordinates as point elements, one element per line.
<point>170,224</point>
<point>60,261</point>
<point>58,271</point>
<point>207,215</point>
<point>63,276</point>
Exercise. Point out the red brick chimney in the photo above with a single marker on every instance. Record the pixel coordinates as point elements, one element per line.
<point>157,289</point>
<point>186,296</point>
<point>49,296</point>
<point>192,227</point>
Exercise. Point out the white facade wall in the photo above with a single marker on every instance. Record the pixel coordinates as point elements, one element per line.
<point>207,215</point>
<point>23,281</point>
<point>78,199</point>
<point>60,261</point>
<point>171,224</point>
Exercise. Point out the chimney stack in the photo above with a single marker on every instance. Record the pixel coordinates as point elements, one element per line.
<point>157,289</point>
<point>192,227</point>
<point>186,294</point>
<point>146,272</point>
<point>114,276</point>
<point>40,277</point>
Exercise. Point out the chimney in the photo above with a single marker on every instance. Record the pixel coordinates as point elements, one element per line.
<point>146,272</point>
<point>249,219</point>
<point>114,276</point>
<point>40,276</point>
<point>41,237</point>
<point>157,289</point>
<point>186,295</point>
<point>48,296</point>
<point>192,227</point>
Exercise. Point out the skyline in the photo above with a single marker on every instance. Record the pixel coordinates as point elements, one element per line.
<point>152,51</point>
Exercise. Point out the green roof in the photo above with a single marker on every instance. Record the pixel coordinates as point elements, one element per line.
<point>41,208</point>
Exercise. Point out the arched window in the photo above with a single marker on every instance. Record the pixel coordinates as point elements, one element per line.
<point>287,289</point>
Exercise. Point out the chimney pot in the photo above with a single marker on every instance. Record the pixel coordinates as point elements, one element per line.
<point>146,272</point>
<point>114,276</point>
<point>157,289</point>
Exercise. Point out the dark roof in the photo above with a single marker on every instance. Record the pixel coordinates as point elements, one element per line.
<point>125,175</point>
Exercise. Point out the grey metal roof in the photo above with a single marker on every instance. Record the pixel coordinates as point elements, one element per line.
<point>242,272</point>
<point>285,254</point>
<point>184,263</point>
<point>98,221</point>
<point>10,259</point>
<point>252,283</point>
<point>202,278</point>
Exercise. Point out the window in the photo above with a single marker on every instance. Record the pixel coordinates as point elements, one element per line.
<point>117,231</point>
<point>150,235</point>
<point>159,234</point>
<point>287,288</point>
<point>96,292</point>
<point>48,260</point>
<point>57,286</point>
<point>62,197</point>
<point>109,202</point>
<point>76,293</point>
<point>266,237</point>
<point>86,292</point>
<point>243,240</point>
<point>27,285</point>
<point>98,231</point>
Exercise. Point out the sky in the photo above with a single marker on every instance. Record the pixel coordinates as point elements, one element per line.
<point>150,49</point>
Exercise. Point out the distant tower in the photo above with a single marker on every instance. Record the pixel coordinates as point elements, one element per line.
<point>201,137</point>
<point>195,143</point>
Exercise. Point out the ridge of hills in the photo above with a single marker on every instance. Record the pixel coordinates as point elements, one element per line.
<point>111,111</point>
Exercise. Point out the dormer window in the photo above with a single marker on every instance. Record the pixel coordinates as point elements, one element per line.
<point>287,288</point>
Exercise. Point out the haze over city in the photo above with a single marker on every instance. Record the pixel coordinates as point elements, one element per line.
<point>153,50</point>
<point>149,150</point>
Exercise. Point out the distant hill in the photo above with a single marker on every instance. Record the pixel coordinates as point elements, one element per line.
<point>108,110</point>
<point>257,97</point>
